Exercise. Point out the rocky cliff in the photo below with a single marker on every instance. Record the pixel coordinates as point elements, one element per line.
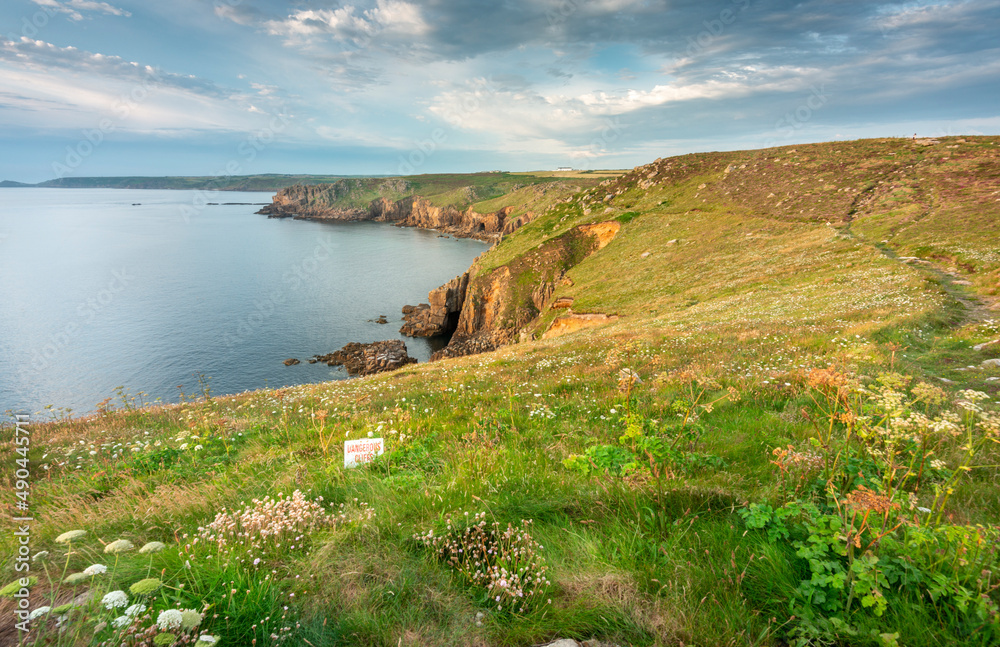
<point>341,202</point>
<point>496,305</point>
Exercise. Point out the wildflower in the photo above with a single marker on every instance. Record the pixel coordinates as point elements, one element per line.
<point>115,600</point>
<point>77,578</point>
<point>169,619</point>
<point>152,547</point>
<point>70,537</point>
<point>15,586</point>
<point>164,639</point>
<point>40,611</point>
<point>135,610</point>
<point>119,546</point>
<point>40,556</point>
<point>207,639</point>
<point>190,619</point>
<point>95,569</point>
<point>147,586</point>
<point>121,621</point>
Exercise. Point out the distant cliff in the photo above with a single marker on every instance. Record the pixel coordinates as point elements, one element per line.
<point>378,200</point>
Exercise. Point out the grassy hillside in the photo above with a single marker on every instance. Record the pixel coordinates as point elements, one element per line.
<point>484,192</point>
<point>789,436</point>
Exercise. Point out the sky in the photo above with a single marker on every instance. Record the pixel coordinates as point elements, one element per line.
<point>387,87</point>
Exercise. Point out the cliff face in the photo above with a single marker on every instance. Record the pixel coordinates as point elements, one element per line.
<point>328,203</point>
<point>499,303</point>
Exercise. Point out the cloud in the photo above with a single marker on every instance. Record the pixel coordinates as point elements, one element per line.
<point>74,8</point>
<point>388,18</point>
<point>43,56</point>
<point>70,88</point>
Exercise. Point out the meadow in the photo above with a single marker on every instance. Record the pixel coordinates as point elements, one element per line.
<point>790,436</point>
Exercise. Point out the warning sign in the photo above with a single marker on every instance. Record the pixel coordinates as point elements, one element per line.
<point>361,451</point>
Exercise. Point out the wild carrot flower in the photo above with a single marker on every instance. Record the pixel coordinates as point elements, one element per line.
<point>152,547</point>
<point>135,610</point>
<point>40,611</point>
<point>71,536</point>
<point>119,546</point>
<point>121,621</point>
<point>40,556</point>
<point>115,600</point>
<point>207,639</point>
<point>148,586</point>
<point>95,569</point>
<point>190,619</point>
<point>169,619</point>
<point>77,578</point>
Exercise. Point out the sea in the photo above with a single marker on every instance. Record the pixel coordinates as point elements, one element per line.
<point>146,295</point>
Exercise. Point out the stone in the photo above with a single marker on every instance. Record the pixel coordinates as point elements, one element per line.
<point>573,322</point>
<point>563,642</point>
<point>381,320</point>
<point>366,359</point>
<point>562,302</point>
<point>991,363</point>
<point>291,361</point>
<point>979,347</point>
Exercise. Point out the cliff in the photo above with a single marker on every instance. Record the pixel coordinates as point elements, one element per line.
<point>496,305</point>
<point>485,206</point>
<point>413,211</point>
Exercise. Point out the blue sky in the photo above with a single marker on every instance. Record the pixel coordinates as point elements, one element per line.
<point>208,87</point>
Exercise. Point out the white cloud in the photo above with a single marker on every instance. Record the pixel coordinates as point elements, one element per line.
<point>74,8</point>
<point>388,17</point>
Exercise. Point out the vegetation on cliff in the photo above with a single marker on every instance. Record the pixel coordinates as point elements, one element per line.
<point>789,435</point>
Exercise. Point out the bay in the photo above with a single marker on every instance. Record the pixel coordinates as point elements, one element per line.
<point>154,290</point>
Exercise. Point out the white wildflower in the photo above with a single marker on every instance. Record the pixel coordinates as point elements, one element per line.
<point>169,619</point>
<point>115,600</point>
<point>95,569</point>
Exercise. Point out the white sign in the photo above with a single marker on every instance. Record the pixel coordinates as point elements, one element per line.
<point>364,450</point>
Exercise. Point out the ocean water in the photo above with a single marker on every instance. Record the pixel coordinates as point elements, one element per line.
<point>148,290</point>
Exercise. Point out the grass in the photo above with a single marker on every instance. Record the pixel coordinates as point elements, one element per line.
<point>735,304</point>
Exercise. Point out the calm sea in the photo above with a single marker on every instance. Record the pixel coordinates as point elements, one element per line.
<point>147,290</point>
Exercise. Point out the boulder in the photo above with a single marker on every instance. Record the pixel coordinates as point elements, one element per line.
<point>291,361</point>
<point>366,359</point>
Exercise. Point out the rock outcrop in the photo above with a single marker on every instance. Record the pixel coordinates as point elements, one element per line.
<point>573,322</point>
<point>366,359</point>
<point>440,315</point>
<point>323,203</point>
<point>498,303</point>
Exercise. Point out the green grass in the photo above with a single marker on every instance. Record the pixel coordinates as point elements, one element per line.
<point>737,303</point>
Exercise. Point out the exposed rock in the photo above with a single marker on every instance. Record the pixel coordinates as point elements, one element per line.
<point>317,203</point>
<point>381,320</point>
<point>562,302</point>
<point>292,361</point>
<point>573,322</point>
<point>991,363</point>
<point>978,347</point>
<point>497,305</point>
<point>440,316</point>
<point>365,359</point>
